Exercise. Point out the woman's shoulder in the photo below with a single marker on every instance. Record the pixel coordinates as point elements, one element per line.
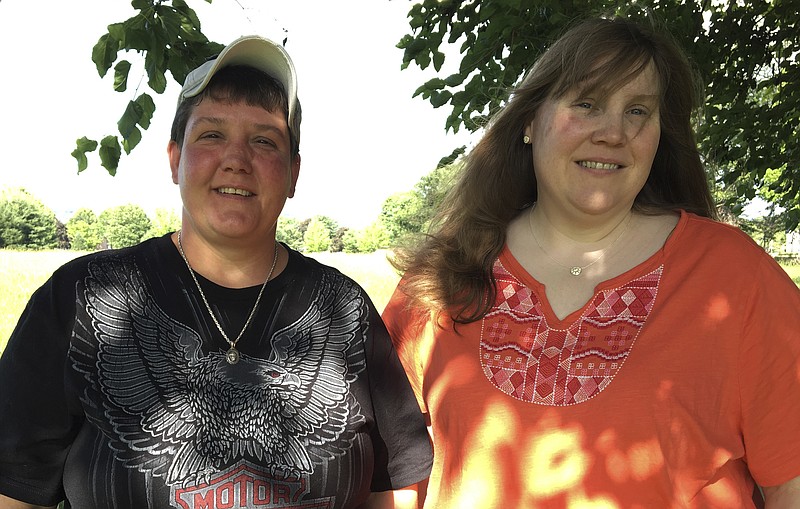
<point>721,247</point>
<point>716,234</point>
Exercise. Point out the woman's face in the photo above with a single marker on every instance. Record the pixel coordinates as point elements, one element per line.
<point>592,154</point>
<point>235,171</point>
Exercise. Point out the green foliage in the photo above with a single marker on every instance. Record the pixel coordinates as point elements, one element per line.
<point>350,241</point>
<point>337,240</point>
<point>62,239</point>
<point>746,54</point>
<point>83,145</point>
<point>403,214</point>
<point>768,230</point>
<point>123,226</point>
<point>167,35</point>
<point>83,231</point>
<point>164,222</point>
<point>410,212</point>
<point>372,238</point>
<point>26,223</point>
<point>330,224</point>
<point>317,237</point>
<point>366,240</point>
<point>290,232</point>
<point>432,187</point>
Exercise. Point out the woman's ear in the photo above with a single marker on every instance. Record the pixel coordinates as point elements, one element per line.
<point>527,134</point>
<point>174,154</point>
<point>295,175</point>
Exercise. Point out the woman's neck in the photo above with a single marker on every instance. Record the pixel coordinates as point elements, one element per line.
<point>228,266</point>
<point>578,230</point>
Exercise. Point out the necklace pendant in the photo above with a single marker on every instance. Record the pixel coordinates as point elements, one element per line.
<point>575,271</point>
<point>232,355</point>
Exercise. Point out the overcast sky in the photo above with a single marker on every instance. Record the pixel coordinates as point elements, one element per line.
<point>363,136</point>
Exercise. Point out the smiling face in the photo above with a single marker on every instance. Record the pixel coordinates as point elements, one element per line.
<point>592,152</point>
<point>234,170</point>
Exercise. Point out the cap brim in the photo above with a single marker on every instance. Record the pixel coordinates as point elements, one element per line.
<point>253,51</point>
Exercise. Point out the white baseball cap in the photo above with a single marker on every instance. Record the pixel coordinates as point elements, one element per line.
<point>253,51</point>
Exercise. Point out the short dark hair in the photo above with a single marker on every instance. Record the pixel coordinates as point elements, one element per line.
<point>237,83</point>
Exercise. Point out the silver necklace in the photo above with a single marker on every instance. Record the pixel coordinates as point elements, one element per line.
<point>232,355</point>
<point>577,270</point>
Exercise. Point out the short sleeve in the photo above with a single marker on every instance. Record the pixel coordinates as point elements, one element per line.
<point>403,445</point>
<point>770,377</point>
<point>36,425</point>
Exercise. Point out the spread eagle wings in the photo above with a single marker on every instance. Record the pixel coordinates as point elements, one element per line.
<point>171,410</point>
<point>325,348</point>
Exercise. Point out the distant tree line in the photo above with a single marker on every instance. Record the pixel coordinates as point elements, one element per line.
<point>403,215</point>
<point>26,223</point>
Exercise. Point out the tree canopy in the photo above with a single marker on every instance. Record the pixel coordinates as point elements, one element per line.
<point>84,230</point>
<point>26,223</point>
<point>124,226</point>
<point>746,54</point>
<point>167,35</point>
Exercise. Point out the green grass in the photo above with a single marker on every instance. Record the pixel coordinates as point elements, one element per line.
<point>793,271</point>
<point>371,270</point>
<point>22,272</point>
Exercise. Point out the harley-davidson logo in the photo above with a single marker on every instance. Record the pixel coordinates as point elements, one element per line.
<point>244,485</point>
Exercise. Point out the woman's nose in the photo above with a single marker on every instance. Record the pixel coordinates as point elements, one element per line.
<point>610,129</point>
<point>237,157</point>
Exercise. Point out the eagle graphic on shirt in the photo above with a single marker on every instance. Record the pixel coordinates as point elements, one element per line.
<point>173,411</point>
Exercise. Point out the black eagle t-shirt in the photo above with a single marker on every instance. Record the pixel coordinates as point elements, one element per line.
<point>115,391</point>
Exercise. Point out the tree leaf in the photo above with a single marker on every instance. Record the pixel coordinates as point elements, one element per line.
<point>440,98</point>
<point>133,139</point>
<point>154,65</point>
<point>438,60</point>
<point>117,32</point>
<point>83,145</point>
<point>171,22</point>
<point>104,53</point>
<point>121,75</point>
<point>131,116</point>
<point>110,153</point>
<point>189,15</point>
<point>148,107</point>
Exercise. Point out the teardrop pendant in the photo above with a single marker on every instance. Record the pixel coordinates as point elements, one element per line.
<point>232,355</point>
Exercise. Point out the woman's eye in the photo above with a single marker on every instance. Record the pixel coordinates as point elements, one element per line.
<point>584,104</point>
<point>638,111</point>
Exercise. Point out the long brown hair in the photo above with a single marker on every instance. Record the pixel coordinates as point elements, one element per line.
<point>451,268</point>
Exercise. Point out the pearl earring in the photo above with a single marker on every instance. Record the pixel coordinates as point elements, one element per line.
<point>526,139</point>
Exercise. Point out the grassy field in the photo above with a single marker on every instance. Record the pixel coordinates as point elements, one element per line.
<point>794,272</point>
<point>22,272</point>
